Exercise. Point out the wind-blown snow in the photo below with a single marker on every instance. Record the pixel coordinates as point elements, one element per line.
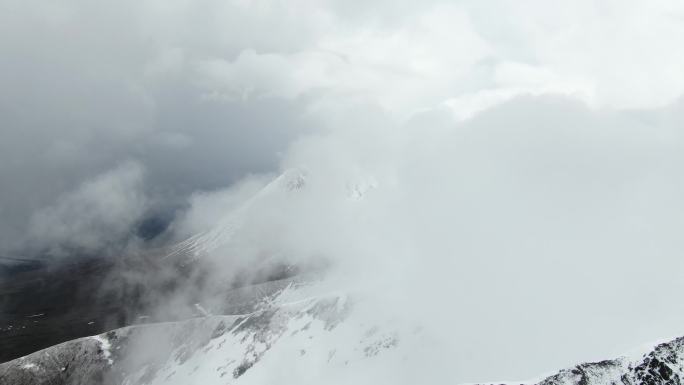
<point>105,345</point>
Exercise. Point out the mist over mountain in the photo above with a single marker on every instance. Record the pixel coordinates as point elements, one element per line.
<point>341,192</point>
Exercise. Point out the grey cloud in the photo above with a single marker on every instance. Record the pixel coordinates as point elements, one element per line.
<point>97,213</point>
<point>85,87</point>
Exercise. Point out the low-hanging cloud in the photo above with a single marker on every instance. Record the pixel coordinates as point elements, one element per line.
<point>86,88</point>
<point>100,212</point>
<point>539,233</point>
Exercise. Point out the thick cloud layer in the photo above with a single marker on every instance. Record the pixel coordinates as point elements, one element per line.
<point>87,87</point>
<point>202,93</point>
<point>539,233</point>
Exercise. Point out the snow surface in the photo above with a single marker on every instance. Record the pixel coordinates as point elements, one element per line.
<point>29,366</point>
<point>308,339</point>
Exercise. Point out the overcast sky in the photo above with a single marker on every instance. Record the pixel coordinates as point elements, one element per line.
<point>197,94</point>
<point>525,155</point>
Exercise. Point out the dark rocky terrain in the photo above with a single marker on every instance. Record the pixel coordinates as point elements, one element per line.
<point>109,357</point>
<point>44,304</point>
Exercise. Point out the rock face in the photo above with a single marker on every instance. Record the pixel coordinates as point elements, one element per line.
<point>659,365</point>
<point>664,364</point>
<point>81,361</point>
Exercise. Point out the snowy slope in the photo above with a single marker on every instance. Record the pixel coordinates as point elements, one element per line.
<point>203,243</point>
<point>293,337</point>
<point>290,328</point>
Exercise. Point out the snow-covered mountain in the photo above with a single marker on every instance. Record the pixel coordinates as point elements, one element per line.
<point>301,329</point>
<point>288,327</point>
<point>291,337</point>
<point>208,241</point>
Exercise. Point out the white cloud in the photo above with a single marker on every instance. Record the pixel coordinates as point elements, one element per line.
<point>617,55</point>
<point>624,51</point>
<point>536,234</point>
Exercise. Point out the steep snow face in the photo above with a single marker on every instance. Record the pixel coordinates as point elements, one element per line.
<point>280,191</point>
<point>207,242</point>
<point>314,340</point>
